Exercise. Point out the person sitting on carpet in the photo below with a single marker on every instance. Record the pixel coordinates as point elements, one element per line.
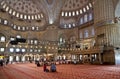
<point>53,68</point>
<point>45,68</point>
<point>38,64</point>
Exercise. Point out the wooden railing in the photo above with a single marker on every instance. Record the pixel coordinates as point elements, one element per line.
<point>88,51</point>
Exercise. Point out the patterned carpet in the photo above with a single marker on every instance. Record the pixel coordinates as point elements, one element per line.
<point>30,71</point>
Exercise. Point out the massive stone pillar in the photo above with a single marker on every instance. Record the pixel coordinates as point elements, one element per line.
<point>107,31</point>
<point>103,11</point>
<point>107,27</point>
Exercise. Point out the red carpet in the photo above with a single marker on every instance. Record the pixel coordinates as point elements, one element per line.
<point>30,71</point>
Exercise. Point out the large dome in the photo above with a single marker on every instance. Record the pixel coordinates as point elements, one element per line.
<point>23,6</point>
<point>48,11</point>
<point>74,4</point>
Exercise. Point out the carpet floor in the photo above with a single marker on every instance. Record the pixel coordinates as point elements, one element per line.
<point>66,71</point>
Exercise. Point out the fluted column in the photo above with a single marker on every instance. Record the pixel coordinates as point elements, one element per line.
<point>107,33</point>
<point>103,11</point>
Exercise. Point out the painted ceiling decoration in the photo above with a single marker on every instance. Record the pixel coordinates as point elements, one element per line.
<point>74,4</point>
<point>26,9</point>
<point>60,12</point>
<point>49,1</point>
<point>24,6</point>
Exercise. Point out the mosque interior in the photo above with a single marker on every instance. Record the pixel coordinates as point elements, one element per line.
<point>86,31</point>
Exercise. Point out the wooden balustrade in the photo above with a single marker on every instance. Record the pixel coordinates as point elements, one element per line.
<point>88,51</point>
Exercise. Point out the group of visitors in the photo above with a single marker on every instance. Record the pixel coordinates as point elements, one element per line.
<point>52,68</point>
<point>45,64</point>
<point>3,61</point>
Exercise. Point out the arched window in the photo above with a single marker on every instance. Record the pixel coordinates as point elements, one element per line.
<point>61,40</point>
<point>17,49</point>
<point>35,42</point>
<point>11,49</point>
<point>25,16</point>
<point>31,50</point>
<point>18,36</point>
<point>18,27</point>
<point>2,49</point>
<point>81,35</point>
<point>13,13</point>
<point>84,9</point>
<point>90,16</point>
<point>66,14</point>
<point>30,17</point>
<point>85,18</point>
<point>12,39</point>
<point>17,15</point>
<point>23,28</point>
<point>65,26</point>
<point>2,39</point>
<point>90,4</point>
<point>39,50</point>
<point>86,33</point>
<point>2,2</point>
<point>41,15</point>
<point>4,6</point>
<point>81,20</point>
<point>77,12</point>
<point>14,26</point>
<point>38,16</point>
<point>87,7</point>
<point>93,31</point>
<point>81,11</point>
<point>21,16</point>
<point>0,20</point>
<point>10,11</point>
<point>32,41</point>
<point>23,50</point>
<point>62,14</point>
<point>73,24</point>
<point>37,28</point>
<point>33,28</point>
<point>7,8</point>
<point>5,22</point>
<point>69,25</point>
<point>73,13</point>
<point>69,13</point>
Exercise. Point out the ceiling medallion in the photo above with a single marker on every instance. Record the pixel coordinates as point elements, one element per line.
<point>49,1</point>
